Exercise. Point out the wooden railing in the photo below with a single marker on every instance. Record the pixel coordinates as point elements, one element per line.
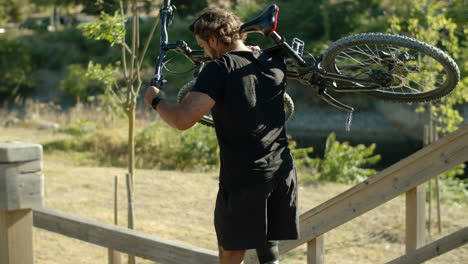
<point>404,176</point>
<point>121,239</point>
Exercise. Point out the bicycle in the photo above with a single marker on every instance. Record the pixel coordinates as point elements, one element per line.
<point>383,66</point>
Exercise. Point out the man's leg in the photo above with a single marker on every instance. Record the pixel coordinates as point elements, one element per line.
<point>231,256</point>
<point>268,254</point>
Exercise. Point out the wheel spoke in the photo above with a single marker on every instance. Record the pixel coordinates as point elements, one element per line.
<point>411,76</point>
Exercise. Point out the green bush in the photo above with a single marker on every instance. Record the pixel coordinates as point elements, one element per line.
<point>80,128</point>
<point>78,86</point>
<point>15,70</point>
<point>345,163</point>
<point>157,146</point>
<point>452,189</point>
<point>76,144</point>
<point>306,166</point>
<point>162,146</point>
<point>56,50</point>
<point>341,162</point>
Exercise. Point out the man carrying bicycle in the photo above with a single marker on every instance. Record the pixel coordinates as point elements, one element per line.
<point>243,88</point>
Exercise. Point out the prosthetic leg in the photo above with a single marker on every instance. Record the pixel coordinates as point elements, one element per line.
<point>269,254</point>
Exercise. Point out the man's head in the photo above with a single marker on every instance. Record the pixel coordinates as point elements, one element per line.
<point>216,28</point>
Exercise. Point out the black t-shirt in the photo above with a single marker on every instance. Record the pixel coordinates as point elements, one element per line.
<point>248,89</point>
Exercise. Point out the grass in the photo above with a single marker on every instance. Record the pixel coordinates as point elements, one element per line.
<point>179,206</point>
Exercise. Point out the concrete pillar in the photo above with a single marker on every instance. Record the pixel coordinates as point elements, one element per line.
<point>21,189</point>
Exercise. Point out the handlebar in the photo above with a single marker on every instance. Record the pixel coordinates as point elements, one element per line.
<point>166,14</point>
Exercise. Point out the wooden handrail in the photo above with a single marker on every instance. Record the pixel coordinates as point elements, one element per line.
<point>121,239</point>
<point>435,248</point>
<point>404,175</point>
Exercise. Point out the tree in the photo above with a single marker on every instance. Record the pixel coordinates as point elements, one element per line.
<point>11,10</point>
<point>427,21</point>
<point>15,68</point>
<point>111,28</point>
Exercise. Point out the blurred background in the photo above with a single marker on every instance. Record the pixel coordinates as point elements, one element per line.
<point>45,58</point>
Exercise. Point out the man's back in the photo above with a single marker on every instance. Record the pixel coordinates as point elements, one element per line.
<point>248,88</point>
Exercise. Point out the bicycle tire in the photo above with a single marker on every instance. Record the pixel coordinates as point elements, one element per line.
<point>207,120</point>
<point>429,67</point>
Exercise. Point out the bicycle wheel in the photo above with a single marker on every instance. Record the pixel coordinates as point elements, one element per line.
<point>207,120</point>
<point>408,70</point>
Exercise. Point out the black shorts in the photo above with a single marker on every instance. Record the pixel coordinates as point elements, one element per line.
<point>246,218</point>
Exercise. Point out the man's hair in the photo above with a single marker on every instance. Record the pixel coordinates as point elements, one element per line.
<point>216,21</point>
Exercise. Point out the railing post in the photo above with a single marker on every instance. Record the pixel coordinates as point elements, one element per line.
<point>21,189</point>
<point>415,218</point>
<point>316,250</point>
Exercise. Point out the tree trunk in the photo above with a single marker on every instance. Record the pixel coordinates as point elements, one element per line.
<point>131,139</point>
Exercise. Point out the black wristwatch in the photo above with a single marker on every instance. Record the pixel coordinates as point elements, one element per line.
<point>156,101</point>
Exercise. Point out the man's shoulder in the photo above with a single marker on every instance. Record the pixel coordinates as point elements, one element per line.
<point>216,65</point>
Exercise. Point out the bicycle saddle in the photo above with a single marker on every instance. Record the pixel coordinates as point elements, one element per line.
<point>265,23</point>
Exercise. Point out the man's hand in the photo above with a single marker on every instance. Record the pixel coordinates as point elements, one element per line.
<point>151,93</point>
<point>253,48</point>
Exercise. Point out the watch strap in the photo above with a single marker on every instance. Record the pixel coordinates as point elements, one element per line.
<point>156,101</point>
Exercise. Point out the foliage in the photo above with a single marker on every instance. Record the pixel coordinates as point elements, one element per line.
<point>108,77</point>
<point>77,85</point>
<point>106,147</point>
<point>11,10</point>
<point>80,128</point>
<point>427,21</point>
<point>93,7</point>
<point>341,162</point>
<point>189,7</point>
<point>301,156</point>
<point>452,189</point>
<point>157,146</point>
<point>306,166</point>
<point>109,28</point>
<point>56,50</point>
<point>112,29</point>
<point>15,68</point>
<point>344,163</point>
<point>161,146</point>
<point>76,144</point>
<point>350,15</point>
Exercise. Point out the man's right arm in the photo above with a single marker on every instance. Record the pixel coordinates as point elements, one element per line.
<point>184,115</point>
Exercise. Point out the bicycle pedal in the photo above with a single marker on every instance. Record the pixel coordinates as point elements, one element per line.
<point>298,46</point>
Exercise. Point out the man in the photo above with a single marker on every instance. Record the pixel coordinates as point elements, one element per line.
<point>243,88</point>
